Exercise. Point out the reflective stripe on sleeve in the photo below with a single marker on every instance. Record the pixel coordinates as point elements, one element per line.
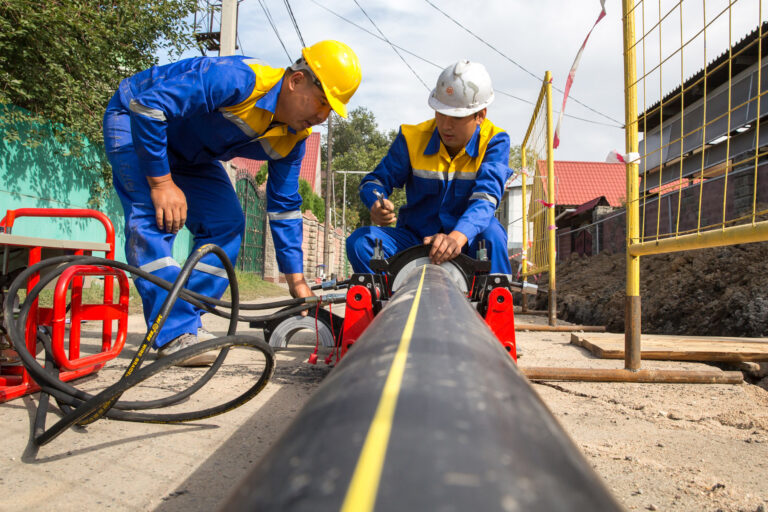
<point>371,182</point>
<point>152,113</point>
<point>296,214</point>
<point>484,196</point>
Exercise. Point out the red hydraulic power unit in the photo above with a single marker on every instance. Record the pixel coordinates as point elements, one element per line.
<point>14,379</point>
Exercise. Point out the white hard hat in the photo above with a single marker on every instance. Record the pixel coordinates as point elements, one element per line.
<point>462,89</point>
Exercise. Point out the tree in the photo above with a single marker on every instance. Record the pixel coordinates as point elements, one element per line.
<point>311,201</point>
<point>62,60</point>
<point>516,158</point>
<point>261,176</point>
<point>358,145</point>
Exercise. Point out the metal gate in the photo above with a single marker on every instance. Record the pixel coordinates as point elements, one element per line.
<point>251,257</point>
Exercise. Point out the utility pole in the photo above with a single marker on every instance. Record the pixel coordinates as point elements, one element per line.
<point>344,210</point>
<point>344,204</point>
<point>328,171</point>
<point>227,40</point>
<point>228,27</point>
<point>344,200</point>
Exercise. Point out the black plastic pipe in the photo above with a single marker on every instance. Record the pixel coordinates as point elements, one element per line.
<point>459,429</point>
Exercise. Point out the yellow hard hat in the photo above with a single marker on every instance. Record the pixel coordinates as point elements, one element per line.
<point>337,68</point>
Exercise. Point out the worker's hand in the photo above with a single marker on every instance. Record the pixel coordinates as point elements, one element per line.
<point>445,247</point>
<point>170,203</point>
<point>298,287</point>
<point>383,212</point>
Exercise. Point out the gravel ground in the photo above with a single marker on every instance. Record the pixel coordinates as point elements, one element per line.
<point>658,446</point>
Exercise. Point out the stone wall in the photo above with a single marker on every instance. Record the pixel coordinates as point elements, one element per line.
<point>313,246</point>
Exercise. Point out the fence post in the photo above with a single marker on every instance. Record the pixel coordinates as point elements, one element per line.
<point>632,316</point>
<point>551,209</point>
<point>524,255</point>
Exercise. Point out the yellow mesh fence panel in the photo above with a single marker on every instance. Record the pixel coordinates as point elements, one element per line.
<point>535,149</point>
<point>700,87</point>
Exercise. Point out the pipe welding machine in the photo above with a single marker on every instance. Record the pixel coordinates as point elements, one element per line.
<point>367,293</point>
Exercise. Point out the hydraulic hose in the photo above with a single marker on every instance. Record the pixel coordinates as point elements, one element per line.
<point>83,408</point>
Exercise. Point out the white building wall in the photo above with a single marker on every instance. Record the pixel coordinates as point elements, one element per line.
<point>510,214</point>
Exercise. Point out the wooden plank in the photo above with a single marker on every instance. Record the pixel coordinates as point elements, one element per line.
<point>29,241</point>
<point>677,348</point>
<point>559,328</point>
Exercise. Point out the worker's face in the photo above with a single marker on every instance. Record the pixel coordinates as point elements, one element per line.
<point>301,103</point>
<point>455,132</point>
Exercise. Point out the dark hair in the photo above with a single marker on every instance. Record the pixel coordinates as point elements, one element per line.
<point>302,67</point>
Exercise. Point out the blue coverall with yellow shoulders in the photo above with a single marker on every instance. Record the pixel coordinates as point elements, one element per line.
<point>443,194</point>
<point>184,118</point>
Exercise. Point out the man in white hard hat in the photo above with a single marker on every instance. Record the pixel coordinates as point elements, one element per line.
<point>453,168</point>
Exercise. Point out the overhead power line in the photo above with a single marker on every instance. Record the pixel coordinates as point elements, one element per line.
<point>375,35</point>
<point>405,50</point>
<point>489,45</point>
<point>274,27</point>
<point>393,46</point>
<point>293,20</point>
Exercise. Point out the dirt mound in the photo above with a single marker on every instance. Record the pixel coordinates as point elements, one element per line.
<point>711,292</point>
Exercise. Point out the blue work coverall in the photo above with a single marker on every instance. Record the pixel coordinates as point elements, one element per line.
<point>184,118</point>
<point>442,194</point>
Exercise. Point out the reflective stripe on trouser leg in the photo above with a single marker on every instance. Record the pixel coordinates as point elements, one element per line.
<point>208,195</point>
<point>361,242</point>
<point>214,216</point>
<point>145,244</point>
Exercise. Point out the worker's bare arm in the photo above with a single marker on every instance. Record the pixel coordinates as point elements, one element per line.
<point>170,203</point>
<point>298,287</point>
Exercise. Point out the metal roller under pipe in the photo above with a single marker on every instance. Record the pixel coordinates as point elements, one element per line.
<point>425,412</point>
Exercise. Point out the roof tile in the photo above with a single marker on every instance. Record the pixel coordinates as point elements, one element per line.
<point>309,165</point>
<point>579,182</point>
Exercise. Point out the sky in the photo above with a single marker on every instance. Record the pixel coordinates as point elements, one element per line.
<point>524,39</point>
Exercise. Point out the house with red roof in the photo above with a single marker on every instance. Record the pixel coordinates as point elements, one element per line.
<point>310,165</point>
<point>577,183</point>
<point>582,189</point>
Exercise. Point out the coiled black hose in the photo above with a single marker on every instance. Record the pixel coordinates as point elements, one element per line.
<point>82,408</point>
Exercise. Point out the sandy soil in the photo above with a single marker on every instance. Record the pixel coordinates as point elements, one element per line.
<point>658,447</point>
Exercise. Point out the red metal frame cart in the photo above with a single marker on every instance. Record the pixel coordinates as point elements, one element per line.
<point>14,378</point>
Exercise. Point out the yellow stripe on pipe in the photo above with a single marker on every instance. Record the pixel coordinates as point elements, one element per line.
<point>361,495</point>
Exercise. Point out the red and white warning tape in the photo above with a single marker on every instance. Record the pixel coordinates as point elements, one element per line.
<point>572,73</point>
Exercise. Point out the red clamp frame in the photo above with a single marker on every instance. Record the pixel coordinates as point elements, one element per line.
<point>357,317</point>
<point>500,318</point>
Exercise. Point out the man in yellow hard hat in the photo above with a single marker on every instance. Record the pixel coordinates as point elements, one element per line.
<point>166,131</point>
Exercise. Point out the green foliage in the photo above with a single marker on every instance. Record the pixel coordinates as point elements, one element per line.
<point>516,158</point>
<point>358,145</point>
<point>261,176</point>
<point>251,287</point>
<point>62,60</point>
<point>311,201</point>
